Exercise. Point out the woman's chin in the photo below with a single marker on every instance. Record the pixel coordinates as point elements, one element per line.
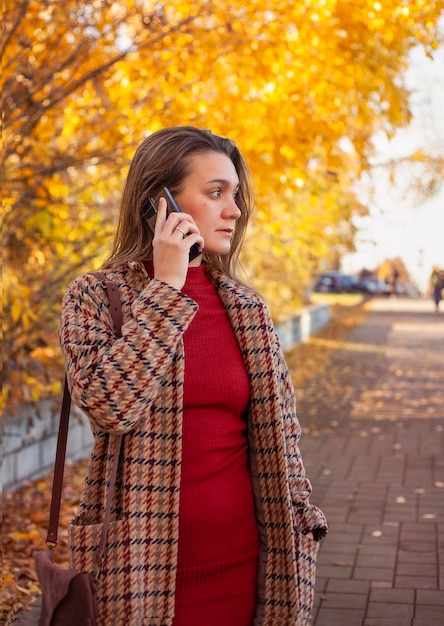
<point>219,248</point>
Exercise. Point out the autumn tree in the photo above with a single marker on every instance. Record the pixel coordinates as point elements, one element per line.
<point>302,87</point>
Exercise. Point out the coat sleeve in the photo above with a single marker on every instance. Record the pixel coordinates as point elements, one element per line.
<point>308,517</point>
<point>115,380</point>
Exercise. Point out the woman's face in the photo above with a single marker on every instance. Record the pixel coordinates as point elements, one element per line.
<point>209,195</point>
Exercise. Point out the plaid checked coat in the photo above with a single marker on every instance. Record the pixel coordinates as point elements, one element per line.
<point>134,385</point>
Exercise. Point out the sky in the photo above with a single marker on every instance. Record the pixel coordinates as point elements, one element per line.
<point>399,224</point>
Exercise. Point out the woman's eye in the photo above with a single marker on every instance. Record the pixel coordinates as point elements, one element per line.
<point>216,193</point>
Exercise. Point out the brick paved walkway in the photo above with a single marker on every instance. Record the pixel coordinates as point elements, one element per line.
<point>376,462</point>
<point>373,446</point>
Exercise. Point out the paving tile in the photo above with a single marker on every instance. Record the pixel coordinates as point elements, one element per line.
<point>340,600</point>
<point>378,538</point>
<point>321,584</point>
<point>330,571</point>
<point>376,550</point>
<point>416,557</point>
<point>389,610</point>
<point>376,560</point>
<point>387,529</point>
<point>380,584</point>
<point>382,445</point>
<point>339,617</point>
<point>405,515</point>
<point>395,596</point>
<point>416,569</point>
<point>383,621</point>
<point>429,612</point>
<point>430,597</point>
<point>420,546</point>
<point>373,573</point>
<point>348,586</point>
<point>365,515</point>
<point>431,445</point>
<point>332,547</point>
<point>337,558</point>
<point>412,528</point>
<point>373,487</point>
<point>416,582</point>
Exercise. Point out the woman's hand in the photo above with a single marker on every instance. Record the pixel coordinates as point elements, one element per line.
<point>174,234</point>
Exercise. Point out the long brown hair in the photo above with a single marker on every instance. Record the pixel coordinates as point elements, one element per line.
<point>163,160</point>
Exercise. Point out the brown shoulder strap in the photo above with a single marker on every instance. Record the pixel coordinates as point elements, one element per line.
<point>114,301</point>
<point>59,465</point>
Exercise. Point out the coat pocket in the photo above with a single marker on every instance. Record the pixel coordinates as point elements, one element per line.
<point>306,554</point>
<point>120,584</point>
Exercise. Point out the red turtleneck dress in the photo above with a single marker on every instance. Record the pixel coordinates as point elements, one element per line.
<point>218,535</point>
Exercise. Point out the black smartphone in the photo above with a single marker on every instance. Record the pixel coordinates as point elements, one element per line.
<point>172,206</point>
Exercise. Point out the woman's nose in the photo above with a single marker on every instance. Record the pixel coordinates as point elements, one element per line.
<point>231,209</point>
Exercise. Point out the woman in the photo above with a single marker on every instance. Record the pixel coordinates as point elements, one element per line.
<point>211,520</point>
<point>436,285</point>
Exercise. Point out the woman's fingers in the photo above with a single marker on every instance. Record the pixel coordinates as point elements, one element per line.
<point>161,217</point>
<point>174,235</point>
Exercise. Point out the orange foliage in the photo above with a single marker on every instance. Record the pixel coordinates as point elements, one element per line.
<point>302,87</point>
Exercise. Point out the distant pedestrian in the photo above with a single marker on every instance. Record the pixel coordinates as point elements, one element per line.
<point>395,278</point>
<point>437,285</point>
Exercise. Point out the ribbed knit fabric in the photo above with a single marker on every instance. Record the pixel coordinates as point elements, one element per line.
<point>218,537</point>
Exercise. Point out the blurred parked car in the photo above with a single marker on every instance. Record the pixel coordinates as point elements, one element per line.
<point>376,286</point>
<point>333,282</point>
<point>406,289</point>
<point>336,282</point>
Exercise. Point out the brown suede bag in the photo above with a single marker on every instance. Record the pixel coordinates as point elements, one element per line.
<point>68,596</point>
